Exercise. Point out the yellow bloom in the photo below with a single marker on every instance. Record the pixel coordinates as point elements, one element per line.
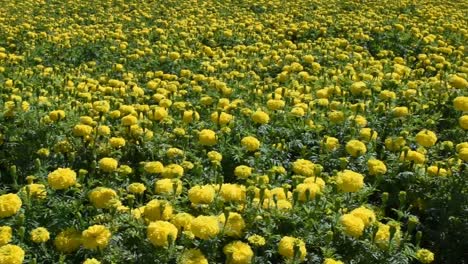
<point>201,194</point>
<point>355,148</point>
<point>168,186</point>
<point>82,130</point>
<point>461,103</point>
<point>250,143</point>
<point>173,171</point>
<point>463,122</point>
<point>157,210</point>
<point>349,181</point>
<point>352,225</point>
<point>207,137</point>
<point>304,167</point>
<point>68,240</point>
<point>332,261</point>
<point>102,197</point>
<point>232,192</point>
<point>367,215</point>
<point>136,188</point>
<point>91,261</point>
<point>376,167</point>
<point>368,134</point>
<point>160,233</point>
<point>221,119</point>
<point>242,171</point>
<point>331,143</point>
<point>205,227</point>
<point>257,240</point>
<point>424,256</point>
<point>11,254</point>
<point>129,120</point>
<point>286,247</point>
<point>10,204</point>
<point>260,117</point>
<point>238,252</point>
<point>182,221</point>
<point>307,188</point>
<point>153,167</point>
<point>192,256</point>
<point>400,111</point>
<point>117,142</point>
<point>96,237</point>
<point>234,226</point>
<point>40,235</point>
<point>108,164</point>
<point>426,138</point>
<point>5,235</point>
<point>458,82</point>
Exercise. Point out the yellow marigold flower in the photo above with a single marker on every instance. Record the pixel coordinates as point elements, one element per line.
<point>43,152</point>
<point>242,171</point>
<point>352,225</point>
<point>207,137</point>
<point>368,134</point>
<point>108,164</point>
<point>256,240</point>
<point>103,130</point>
<point>161,233</point>
<point>332,261</point>
<point>315,180</point>
<point>157,210</point>
<point>101,106</point>
<point>167,186</point>
<point>413,156</point>
<point>349,181</point>
<point>458,82</point>
<point>68,240</point>
<point>358,87</point>
<point>11,254</point>
<point>215,156</point>
<point>221,119</point>
<point>275,104</point>
<point>376,167</point>
<point>159,113</point>
<point>356,148</point>
<point>201,194</point>
<point>260,117</point>
<point>304,167</point>
<point>205,227</point>
<point>367,215</point>
<point>136,188</point>
<point>5,235</point>
<point>102,197</point>
<point>463,154</point>
<point>153,167</point>
<point>117,142</point>
<point>426,138</point>
<point>336,116</point>
<point>305,189</point>
<point>129,120</point>
<point>382,236</point>
<point>182,221</point>
<point>234,226</point>
<point>461,103</point>
<point>40,235</point>
<point>91,261</point>
<point>82,130</point>
<point>232,192</point>
<point>238,252</point>
<point>424,256</point>
<point>297,111</point>
<point>436,171</point>
<point>96,237</point>
<point>395,144</point>
<point>173,171</point>
<point>192,256</point>
<point>463,122</point>
<point>286,248</point>
<point>190,116</point>
<point>125,170</point>
<point>174,152</point>
<point>9,204</point>
<point>61,178</point>
<point>400,111</point>
<point>57,115</point>
<point>250,143</point>
<point>331,143</point>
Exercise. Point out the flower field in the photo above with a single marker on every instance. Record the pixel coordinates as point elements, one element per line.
<point>234,131</point>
